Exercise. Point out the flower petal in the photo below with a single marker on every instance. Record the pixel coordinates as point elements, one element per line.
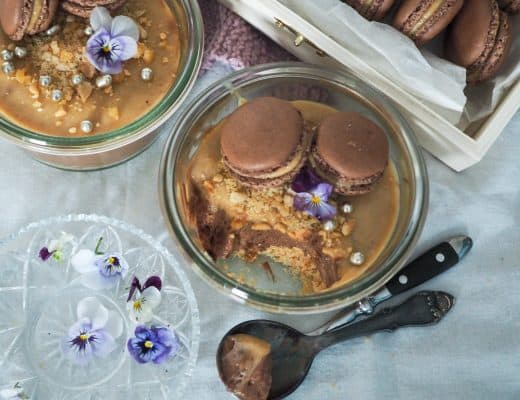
<point>103,344</point>
<point>153,281</point>
<point>305,180</point>
<point>91,308</point>
<point>325,211</point>
<point>100,19</point>
<point>124,26</point>
<point>302,200</point>
<point>135,350</point>
<point>135,285</point>
<point>94,280</point>
<point>73,353</point>
<point>82,325</point>
<point>323,191</point>
<point>152,297</point>
<point>165,336</point>
<point>144,314</point>
<point>160,353</point>
<point>83,261</point>
<point>114,325</point>
<point>123,48</point>
<point>142,332</point>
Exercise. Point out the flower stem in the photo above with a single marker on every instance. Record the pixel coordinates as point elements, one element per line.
<point>98,246</point>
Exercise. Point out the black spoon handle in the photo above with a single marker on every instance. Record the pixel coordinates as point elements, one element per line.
<point>423,308</point>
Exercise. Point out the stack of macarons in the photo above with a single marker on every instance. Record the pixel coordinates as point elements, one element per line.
<point>265,143</point>
<point>83,8</point>
<point>26,17</point>
<point>479,31</point>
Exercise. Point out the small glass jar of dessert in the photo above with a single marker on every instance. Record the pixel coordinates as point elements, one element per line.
<point>87,84</point>
<point>293,188</point>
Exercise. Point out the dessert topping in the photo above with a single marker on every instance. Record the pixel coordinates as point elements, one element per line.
<point>357,258</point>
<point>114,41</point>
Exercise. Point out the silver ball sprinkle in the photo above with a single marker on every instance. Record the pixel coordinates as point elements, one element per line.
<point>329,226</point>
<point>56,95</point>
<point>6,55</point>
<point>20,52</point>
<point>86,126</point>
<point>77,79</point>
<point>88,31</point>
<point>8,68</point>
<point>104,81</point>
<point>53,30</point>
<point>347,208</point>
<point>45,80</point>
<point>146,74</point>
<point>357,258</point>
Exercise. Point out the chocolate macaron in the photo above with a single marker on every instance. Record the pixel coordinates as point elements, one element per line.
<point>510,6</point>
<point>351,151</point>
<point>21,17</point>
<point>479,39</point>
<point>83,8</point>
<point>422,20</point>
<point>371,9</point>
<point>264,142</point>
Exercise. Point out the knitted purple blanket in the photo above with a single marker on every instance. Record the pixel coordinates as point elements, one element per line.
<point>231,39</point>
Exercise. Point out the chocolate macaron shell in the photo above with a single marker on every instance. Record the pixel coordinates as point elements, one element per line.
<point>350,150</point>
<point>371,10</point>
<point>85,11</point>
<point>472,34</point>
<point>15,16</point>
<point>384,7</point>
<point>47,11</point>
<point>261,136</point>
<point>422,20</point>
<point>498,54</point>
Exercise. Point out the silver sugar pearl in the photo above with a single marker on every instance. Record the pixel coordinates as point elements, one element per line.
<point>8,68</point>
<point>20,52</point>
<point>329,226</point>
<point>45,80</point>
<point>6,55</point>
<point>347,208</point>
<point>53,30</point>
<point>88,31</point>
<point>357,258</point>
<point>86,126</point>
<point>146,74</point>
<point>104,81</point>
<point>77,79</point>
<point>56,95</point>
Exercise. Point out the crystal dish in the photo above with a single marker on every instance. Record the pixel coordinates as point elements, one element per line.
<point>70,332</point>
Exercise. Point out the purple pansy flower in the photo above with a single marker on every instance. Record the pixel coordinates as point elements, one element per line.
<point>155,344</point>
<point>114,41</point>
<point>305,180</point>
<point>99,271</point>
<point>93,335</point>
<point>143,299</point>
<point>314,202</point>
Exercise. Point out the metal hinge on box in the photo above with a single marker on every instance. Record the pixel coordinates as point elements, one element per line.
<point>299,39</point>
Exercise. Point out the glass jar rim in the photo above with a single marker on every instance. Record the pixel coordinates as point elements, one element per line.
<point>142,126</point>
<point>318,302</point>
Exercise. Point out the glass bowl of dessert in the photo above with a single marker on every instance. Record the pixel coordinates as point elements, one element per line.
<point>293,188</point>
<point>87,84</point>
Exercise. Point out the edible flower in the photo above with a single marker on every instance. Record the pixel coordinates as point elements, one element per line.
<point>312,195</point>
<point>99,271</point>
<point>143,299</point>
<point>14,393</point>
<point>114,41</point>
<point>93,335</point>
<point>155,344</point>
<point>55,247</point>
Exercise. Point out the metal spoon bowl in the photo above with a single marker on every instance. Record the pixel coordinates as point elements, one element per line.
<point>292,352</point>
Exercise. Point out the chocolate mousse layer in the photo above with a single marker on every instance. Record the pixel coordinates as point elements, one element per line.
<point>246,366</point>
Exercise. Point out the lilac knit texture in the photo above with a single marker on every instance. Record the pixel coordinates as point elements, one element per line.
<point>231,39</point>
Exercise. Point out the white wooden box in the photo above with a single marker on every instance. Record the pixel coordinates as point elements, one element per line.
<point>441,138</point>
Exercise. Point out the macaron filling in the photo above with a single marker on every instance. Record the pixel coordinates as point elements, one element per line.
<point>35,16</point>
<point>429,13</point>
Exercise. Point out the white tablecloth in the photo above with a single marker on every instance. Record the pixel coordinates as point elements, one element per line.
<point>474,353</point>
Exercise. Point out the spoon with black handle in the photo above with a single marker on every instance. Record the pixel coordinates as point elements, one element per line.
<point>292,352</point>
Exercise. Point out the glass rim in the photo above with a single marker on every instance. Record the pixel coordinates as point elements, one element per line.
<point>140,127</point>
<point>312,303</point>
